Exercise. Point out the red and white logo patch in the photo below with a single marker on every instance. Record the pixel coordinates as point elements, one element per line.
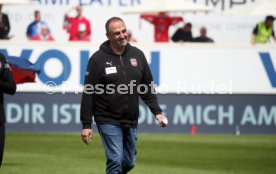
<point>133,62</point>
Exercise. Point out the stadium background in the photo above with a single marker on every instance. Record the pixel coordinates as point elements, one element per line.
<point>215,83</point>
<point>226,88</point>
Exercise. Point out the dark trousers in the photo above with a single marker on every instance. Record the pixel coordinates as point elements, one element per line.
<point>2,141</point>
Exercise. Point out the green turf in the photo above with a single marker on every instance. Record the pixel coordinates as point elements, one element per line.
<point>41,153</point>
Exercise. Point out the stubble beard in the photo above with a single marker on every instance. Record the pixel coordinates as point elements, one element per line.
<point>121,43</point>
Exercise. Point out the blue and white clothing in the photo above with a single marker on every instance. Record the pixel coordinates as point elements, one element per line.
<point>34,28</point>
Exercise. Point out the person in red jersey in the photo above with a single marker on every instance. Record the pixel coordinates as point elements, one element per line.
<point>162,23</point>
<point>78,27</point>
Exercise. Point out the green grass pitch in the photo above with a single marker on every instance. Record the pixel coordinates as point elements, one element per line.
<point>64,153</point>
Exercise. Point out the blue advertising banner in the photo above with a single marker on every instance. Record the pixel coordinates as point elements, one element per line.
<point>190,113</point>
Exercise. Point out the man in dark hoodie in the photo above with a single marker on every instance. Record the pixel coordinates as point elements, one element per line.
<point>7,85</point>
<point>117,74</point>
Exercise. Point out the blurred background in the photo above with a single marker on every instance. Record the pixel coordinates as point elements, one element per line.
<point>217,86</point>
<point>218,78</point>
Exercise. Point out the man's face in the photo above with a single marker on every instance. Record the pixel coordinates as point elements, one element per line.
<point>117,34</point>
<point>79,11</point>
<point>44,31</point>
<point>269,23</point>
<point>37,16</point>
<point>203,32</point>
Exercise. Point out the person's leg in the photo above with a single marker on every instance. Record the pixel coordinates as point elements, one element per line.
<point>2,141</point>
<point>112,138</point>
<point>129,143</point>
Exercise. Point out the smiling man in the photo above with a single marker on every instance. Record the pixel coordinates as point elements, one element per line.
<point>107,97</point>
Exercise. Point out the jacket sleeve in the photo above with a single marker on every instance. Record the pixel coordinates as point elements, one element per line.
<point>88,26</point>
<point>29,31</point>
<point>87,101</point>
<point>7,83</point>
<point>255,30</point>
<point>149,96</point>
<point>176,36</point>
<point>8,27</point>
<point>148,17</point>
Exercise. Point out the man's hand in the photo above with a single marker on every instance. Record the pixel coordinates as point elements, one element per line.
<point>162,119</point>
<point>86,135</point>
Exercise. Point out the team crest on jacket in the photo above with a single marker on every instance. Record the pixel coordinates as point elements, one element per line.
<point>133,62</point>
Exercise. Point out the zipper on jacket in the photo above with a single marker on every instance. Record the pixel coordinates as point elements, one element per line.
<point>123,66</point>
<point>125,79</point>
